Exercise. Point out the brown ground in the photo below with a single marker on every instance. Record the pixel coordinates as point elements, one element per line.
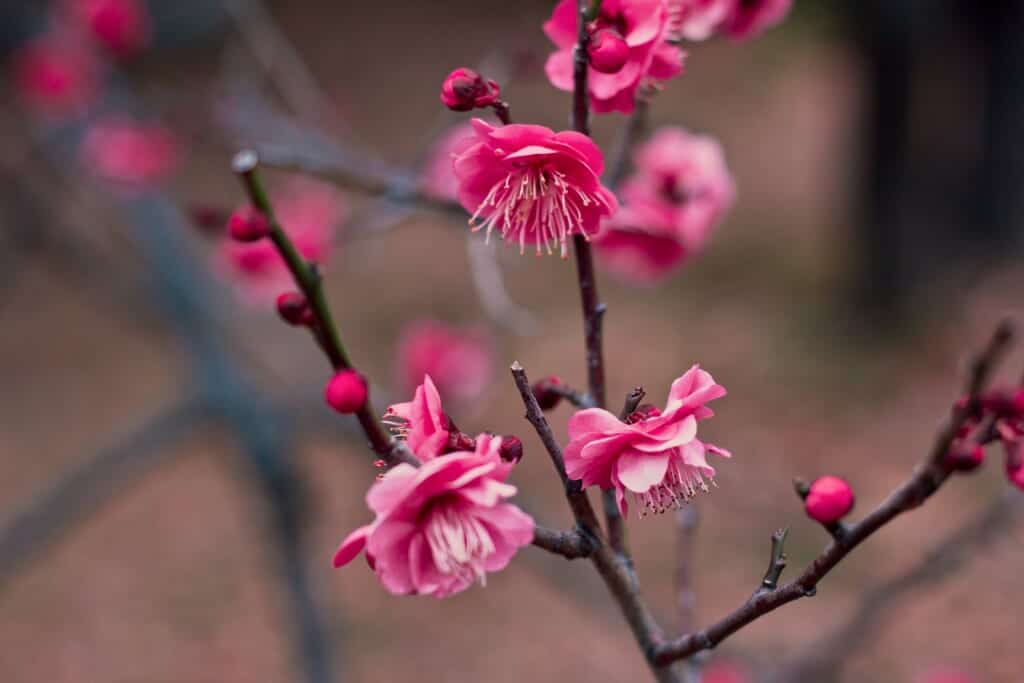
<point>171,580</point>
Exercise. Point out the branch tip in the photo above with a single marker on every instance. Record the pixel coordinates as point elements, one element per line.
<point>245,161</point>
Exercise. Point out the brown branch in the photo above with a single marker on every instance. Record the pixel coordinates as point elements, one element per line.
<point>925,480</point>
<point>822,659</point>
<point>776,563</point>
<point>686,527</point>
<point>307,278</point>
<point>569,544</point>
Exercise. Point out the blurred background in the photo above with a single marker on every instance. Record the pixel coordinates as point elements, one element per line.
<point>172,488</point>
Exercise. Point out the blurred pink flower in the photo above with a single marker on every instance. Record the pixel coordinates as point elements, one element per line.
<point>437,178</point>
<point>421,422</point>
<point>654,455</point>
<point>751,17</point>
<point>122,150</point>
<point>643,24</point>
<point>122,26</point>
<point>56,75</point>
<point>640,244</point>
<point>946,675</point>
<point>441,526</point>
<point>723,672</point>
<point>740,19</point>
<point>532,184</point>
<point>460,360</point>
<point>310,212</point>
<point>673,202</point>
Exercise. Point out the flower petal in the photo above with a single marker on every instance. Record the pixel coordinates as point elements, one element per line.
<point>640,471</point>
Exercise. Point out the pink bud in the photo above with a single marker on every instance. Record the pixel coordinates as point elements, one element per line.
<point>545,393</point>
<point>608,51</point>
<point>121,25</point>
<point>294,309</point>
<point>346,392</point>
<point>511,449</point>
<point>248,224</point>
<point>964,457</point>
<point>465,90</point>
<point>829,499</point>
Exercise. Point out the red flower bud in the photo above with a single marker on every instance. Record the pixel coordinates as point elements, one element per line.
<point>545,393</point>
<point>294,309</point>
<point>248,224</point>
<point>346,392</point>
<point>965,457</point>
<point>121,25</point>
<point>608,51</point>
<point>829,500</point>
<point>465,90</point>
<point>511,449</point>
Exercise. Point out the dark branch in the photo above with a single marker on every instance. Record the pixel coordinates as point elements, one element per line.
<point>925,480</point>
<point>777,561</point>
<point>573,396</point>
<point>569,544</point>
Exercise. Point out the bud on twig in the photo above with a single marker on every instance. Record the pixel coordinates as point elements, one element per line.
<point>964,457</point>
<point>294,309</point>
<point>248,224</point>
<point>346,392</point>
<point>465,90</point>
<point>511,449</point>
<point>608,51</point>
<point>828,500</point>
<point>546,392</point>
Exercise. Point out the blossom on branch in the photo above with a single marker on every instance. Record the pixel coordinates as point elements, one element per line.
<point>674,201</point>
<point>533,185</point>
<point>437,179</point>
<point>132,153</point>
<point>443,526</point>
<point>56,75</point>
<point>739,19</point>
<point>421,422</point>
<point>653,455</point>
<point>459,360</point>
<point>652,60</point>
<point>121,26</point>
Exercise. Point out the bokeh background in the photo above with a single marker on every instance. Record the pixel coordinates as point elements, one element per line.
<point>151,536</point>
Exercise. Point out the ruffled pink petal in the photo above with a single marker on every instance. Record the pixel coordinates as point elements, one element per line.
<point>559,69</point>
<point>561,27</point>
<point>388,492</point>
<point>583,145</point>
<point>511,529</point>
<point>605,86</point>
<point>594,421</point>
<point>352,545</point>
<point>695,388</point>
<point>677,433</point>
<point>640,471</point>
<point>423,572</point>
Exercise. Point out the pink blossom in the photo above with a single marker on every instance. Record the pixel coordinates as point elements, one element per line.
<point>654,455</point>
<point>751,17</point>
<point>640,244</point>
<point>739,19</point>
<point>464,90</point>
<point>438,177</point>
<point>56,75</point>
<point>122,26</point>
<point>673,202</point>
<point>459,359</point>
<point>532,184</point>
<point>135,154</point>
<point>310,212</point>
<point>643,24</point>
<point>442,526</point>
<point>421,422</point>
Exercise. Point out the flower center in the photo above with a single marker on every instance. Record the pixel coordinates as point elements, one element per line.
<point>459,542</point>
<point>536,204</point>
<point>680,484</point>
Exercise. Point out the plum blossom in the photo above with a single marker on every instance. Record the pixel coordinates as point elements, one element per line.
<point>56,75</point>
<point>644,26</point>
<point>310,212</point>
<point>129,152</point>
<point>676,198</point>
<point>739,19</point>
<point>441,527</point>
<point>437,179</point>
<point>421,422</point>
<point>533,185</point>
<point>460,360</point>
<point>654,455</point>
<point>122,26</point>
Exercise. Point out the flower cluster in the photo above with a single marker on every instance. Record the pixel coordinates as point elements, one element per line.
<point>1002,411</point>
<point>677,196</point>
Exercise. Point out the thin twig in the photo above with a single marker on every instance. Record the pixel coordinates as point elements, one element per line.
<point>630,132</point>
<point>776,562</point>
<point>686,599</point>
<point>307,278</point>
<point>569,544</point>
<point>822,659</point>
<point>925,480</point>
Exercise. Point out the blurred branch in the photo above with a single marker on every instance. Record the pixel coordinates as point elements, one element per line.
<point>490,287</point>
<point>925,480</point>
<point>74,495</point>
<point>822,659</point>
<point>630,132</point>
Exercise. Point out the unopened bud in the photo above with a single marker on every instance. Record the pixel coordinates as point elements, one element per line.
<point>248,224</point>
<point>294,309</point>
<point>828,500</point>
<point>608,51</point>
<point>511,449</point>
<point>346,392</point>
<point>465,90</point>
<point>546,393</point>
<point>965,457</point>
<point>643,412</point>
